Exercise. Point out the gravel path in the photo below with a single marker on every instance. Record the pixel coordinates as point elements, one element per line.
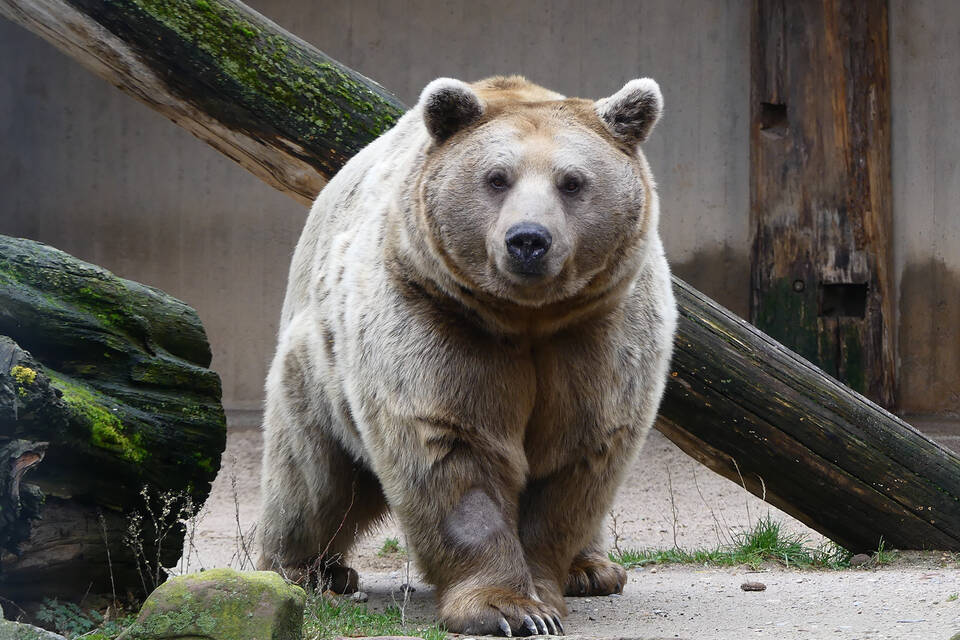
<point>668,498</point>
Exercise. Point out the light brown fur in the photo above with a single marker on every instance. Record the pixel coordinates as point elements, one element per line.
<point>494,414</point>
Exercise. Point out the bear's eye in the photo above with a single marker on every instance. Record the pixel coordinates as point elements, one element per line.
<point>571,185</point>
<point>498,181</point>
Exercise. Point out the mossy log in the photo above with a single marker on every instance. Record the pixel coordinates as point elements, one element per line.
<point>107,407</point>
<point>737,400</point>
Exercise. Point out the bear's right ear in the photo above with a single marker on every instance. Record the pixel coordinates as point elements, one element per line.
<point>448,106</point>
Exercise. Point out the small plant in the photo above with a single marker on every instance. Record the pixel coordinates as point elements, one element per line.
<point>882,556</point>
<point>953,597</point>
<point>390,547</point>
<point>763,542</point>
<point>68,619</point>
<point>326,618</point>
<point>146,531</point>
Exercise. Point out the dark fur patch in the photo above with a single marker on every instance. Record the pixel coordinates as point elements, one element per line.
<point>474,521</point>
<point>450,109</point>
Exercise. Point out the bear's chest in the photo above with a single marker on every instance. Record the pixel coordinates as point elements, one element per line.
<point>587,397</point>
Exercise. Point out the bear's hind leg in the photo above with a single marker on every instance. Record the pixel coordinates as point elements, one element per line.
<point>316,498</point>
<point>313,512</point>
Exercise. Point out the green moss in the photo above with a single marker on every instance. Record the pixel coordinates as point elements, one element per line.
<point>267,67</point>
<point>222,603</point>
<point>204,462</point>
<point>91,410</point>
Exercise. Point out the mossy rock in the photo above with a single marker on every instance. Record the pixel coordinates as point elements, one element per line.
<point>17,631</point>
<point>222,604</point>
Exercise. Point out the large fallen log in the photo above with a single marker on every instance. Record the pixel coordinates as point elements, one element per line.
<point>737,401</point>
<point>107,408</point>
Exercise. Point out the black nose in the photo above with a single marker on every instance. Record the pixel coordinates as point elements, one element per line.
<point>528,242</point>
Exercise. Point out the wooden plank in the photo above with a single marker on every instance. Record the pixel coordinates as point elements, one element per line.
<point>820,194</point>
<point>744,405</point>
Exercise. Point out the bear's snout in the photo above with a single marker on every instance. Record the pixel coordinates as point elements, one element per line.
<point>527,244</point>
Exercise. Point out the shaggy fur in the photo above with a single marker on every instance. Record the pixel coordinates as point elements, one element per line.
<point>493,412</point>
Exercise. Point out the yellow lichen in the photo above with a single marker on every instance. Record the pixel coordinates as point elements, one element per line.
<point>24,376</point>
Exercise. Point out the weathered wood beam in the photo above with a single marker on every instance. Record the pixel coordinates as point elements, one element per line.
<point>105,383</point>
<point>820,186</point>
<point>737,400</point>
<point>268,100</point>
<point>755,412</point>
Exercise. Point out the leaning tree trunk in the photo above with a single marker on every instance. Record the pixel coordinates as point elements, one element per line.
<point>107,410</point>
<point>737,401</point>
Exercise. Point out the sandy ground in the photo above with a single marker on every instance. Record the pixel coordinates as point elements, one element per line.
<point>905,600</point>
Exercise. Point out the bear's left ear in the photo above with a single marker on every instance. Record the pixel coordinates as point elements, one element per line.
<point>448,106</point>
<point>630,113</point>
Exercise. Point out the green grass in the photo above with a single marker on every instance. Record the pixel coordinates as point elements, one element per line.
<point>882,556</point>
<point>953,597</point>
<point>764,542</point>
<point>325,619</point>
<point>390,546</point>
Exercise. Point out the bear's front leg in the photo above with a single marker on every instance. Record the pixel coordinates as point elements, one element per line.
<point>560,530</point>
<point>457,502</point>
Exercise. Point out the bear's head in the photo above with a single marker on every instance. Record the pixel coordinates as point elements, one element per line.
<point>533,198</point>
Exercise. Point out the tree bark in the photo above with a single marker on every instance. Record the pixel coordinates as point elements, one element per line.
<point>737,400</point>
<point>820,186</point>
<point>107,408</point>
<point>271,102</point>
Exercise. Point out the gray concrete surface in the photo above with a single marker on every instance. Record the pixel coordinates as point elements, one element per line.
<point>87,169</point>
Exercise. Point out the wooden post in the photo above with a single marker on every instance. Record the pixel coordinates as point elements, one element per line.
<point>820,195</point>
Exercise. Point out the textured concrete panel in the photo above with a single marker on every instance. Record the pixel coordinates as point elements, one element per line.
<point>924,58</point>
<point>87,169</point>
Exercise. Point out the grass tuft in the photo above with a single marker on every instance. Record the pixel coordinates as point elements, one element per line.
<point>327,619</point>
<point>390,547</point>
<point>764,542</point>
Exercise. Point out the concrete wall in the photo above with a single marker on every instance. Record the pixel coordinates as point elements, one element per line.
<point>924,60</point>
<point>87,169</point>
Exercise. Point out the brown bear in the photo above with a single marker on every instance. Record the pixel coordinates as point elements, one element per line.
<point>476,335</point>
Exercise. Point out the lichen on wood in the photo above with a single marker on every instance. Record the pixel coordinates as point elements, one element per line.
<point>113,375</point>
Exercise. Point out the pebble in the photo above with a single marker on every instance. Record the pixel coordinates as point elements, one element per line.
<point>753,586</point>
<point>360,596</point>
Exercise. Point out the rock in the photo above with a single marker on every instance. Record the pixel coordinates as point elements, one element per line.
<point>359,596</point>
<point>222,604</point>
<point>753,586</point>
<point>407,587</point>
<point>859,560</point>
<point>17,631</point>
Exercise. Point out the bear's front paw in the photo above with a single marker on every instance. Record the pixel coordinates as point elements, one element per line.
<point>594,575</point>
<point>500,612</point>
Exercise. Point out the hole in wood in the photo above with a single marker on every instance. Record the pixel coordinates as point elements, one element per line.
<point>773,119</point>
<point>847,300</point>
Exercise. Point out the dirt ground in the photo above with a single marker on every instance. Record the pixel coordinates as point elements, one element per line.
<point>668,499</point>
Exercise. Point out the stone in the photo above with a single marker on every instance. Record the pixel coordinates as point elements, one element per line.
<point>17,631</point>
<point>859,560</point>
<point>753,586</point>
<point>222,604</point>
